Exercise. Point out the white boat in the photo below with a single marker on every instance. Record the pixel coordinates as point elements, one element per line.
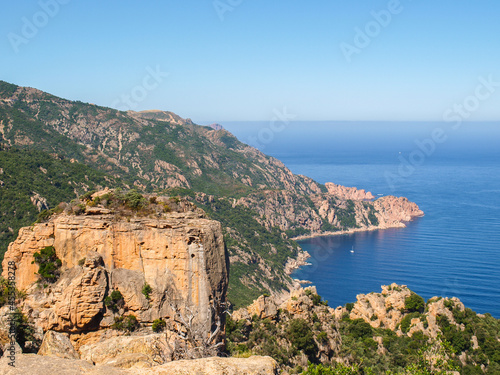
<point>352,249</point>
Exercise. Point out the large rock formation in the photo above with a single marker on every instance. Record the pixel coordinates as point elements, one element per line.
<point>394,211</point>
<point>388,308</point>
<point>180,255</point>
<point>384,309</point>
<point>344,192</point>
<point>303,304</point>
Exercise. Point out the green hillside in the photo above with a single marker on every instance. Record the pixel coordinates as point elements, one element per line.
<point>156,151</point>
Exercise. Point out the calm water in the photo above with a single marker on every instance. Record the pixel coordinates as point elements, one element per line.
<point>453,251</point>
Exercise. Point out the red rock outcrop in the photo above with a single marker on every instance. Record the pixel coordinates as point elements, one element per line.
<point>180,255</point>
<point>345,193</point>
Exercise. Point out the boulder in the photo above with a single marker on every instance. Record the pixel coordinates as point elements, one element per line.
<point>80,304</point>
<point>264,307</point>
<point>116,351</point>
<point>57,344</point>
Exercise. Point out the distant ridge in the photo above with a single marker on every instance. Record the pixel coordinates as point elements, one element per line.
<point>216,126</point>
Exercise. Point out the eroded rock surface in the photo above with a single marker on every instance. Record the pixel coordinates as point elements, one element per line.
<point>181,256</point>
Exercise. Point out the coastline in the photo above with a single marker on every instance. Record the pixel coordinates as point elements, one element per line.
<point>300,261</point>
<point>294,264</point>
<point>349,231</point>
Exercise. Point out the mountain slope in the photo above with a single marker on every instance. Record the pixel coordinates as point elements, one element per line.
<point>260,202</point>
<point>32,181</point>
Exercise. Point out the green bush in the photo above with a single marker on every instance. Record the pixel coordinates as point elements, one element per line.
<point>360,329</point>
<point>316,299</point>
<point>125,323</point>
<point>414,303</point>
<point>339,369</point>
<point>135,200</point>
<point>349,306</point>
<point>114,301</point>
<point>24,330</point>
<point>159,325</point>
<point>406,321</point>
<point>48,264</point>
<point>322,337</point>
<point>147,290</point>
<point>302,338</point>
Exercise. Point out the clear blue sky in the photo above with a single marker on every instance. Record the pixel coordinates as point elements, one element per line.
<point>264,55</point>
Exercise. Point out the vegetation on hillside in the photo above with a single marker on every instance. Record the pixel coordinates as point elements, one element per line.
<point>28,174</point>
<point>353,346</point>
<point>48,264</point>
<point>60,149</point>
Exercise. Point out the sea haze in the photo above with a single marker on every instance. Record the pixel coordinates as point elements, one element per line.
<point>454,250</point>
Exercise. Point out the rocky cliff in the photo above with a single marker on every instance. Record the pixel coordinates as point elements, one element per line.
<point>394,331</point>
<point>345,193</point>
<point>178,253</point>
<point>388,309</point>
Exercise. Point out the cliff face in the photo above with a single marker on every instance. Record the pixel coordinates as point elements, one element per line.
<point>180,255</point>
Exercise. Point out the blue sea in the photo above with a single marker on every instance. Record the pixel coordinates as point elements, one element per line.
<point>452,171</point>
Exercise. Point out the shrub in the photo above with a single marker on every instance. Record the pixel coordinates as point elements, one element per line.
<point>322,337</point>
<point>159,325</point>
<point>87,196</point>
<point>315,318</point>
<point>49,264</point>
<point>316,299</point>
<point>339,369</point>
<point>135,200</point>
<point>24,331</point>
<point>147,290</point>
<point>301,337</point>
<point>359,328</point>
<point>114,301</point>
<point>414,303</point>
<point>44,215</point>
<point>349,306</point>
<point>406,321</point>
<point>125,323</point>
<point>7,289</point>
<point>81,262</point>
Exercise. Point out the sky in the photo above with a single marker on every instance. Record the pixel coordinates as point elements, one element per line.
<point>246,60</point>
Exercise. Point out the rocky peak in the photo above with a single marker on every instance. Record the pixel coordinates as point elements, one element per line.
<point>345,193</point>
<point>384,309</point>
<point>180,255</point>
<point>216,126</point>
<point>393,209</point>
